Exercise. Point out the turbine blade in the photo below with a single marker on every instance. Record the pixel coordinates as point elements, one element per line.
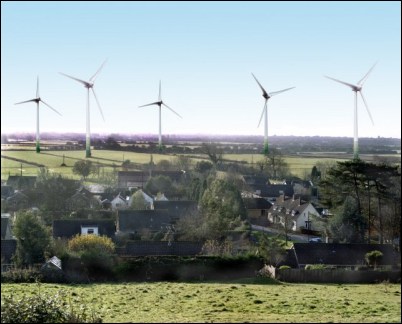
<point>85,83</point>
<point>154,103</point>
<point>263,90</point>
<point>271,94</point>
<point>37,87</point>
<point>265,107</point>
<point>51,107</point>
<point>92,79</point>
<point>32,100</point>
<point>171,109</point>
<point>361,82</point>
<point>160,92</point>
<point>345,83</point>
<point>97,101</point>
<point>365,103</point>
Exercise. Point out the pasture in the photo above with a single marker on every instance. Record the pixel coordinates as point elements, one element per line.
<point>237,302</point>
<point>111,160</point>
<point>13,162</point>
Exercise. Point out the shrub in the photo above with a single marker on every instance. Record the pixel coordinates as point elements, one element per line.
<point>315,267</point>
<point>82,243</point>
<point>284,267</point>
<point>21,275</point>
<point>373,257</point>
<point>43,309</point>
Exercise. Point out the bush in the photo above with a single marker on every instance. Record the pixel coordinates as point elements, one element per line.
<point>284,267</point>
<point>21,275</point>
<point>43,309</point>
<point>315,267</point>
<point>82,243</point>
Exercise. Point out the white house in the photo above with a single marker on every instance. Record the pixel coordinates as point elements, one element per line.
<point>119,202</point>
<point>295,213</point>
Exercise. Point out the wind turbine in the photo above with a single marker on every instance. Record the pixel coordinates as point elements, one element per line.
<point>357,88</point>
<point>265,111</point>
<point>160,103</point>
<point>37,100</point>
<point>89,85</point>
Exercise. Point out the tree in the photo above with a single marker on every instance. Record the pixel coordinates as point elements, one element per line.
<point>32,239</point>
<point>182,162</point>
<point>315,174</point>
<point>203,166</point>
<point>138,201</point>
<point>275,165</point>
<point>373,257</point>
<point>222,208</point>
<point>52,191</point>
<point>164,165</point>
<point>83,168</point>
<point>272,249</point>
<point>347,225</point>
<point>214,153</point>
<point>373,187</point>
<point>161,184</point>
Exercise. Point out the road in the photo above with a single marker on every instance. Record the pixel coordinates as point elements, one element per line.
<point>299,238</point>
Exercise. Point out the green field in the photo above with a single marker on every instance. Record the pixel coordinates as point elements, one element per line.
<point>165,302</point>
<point>109,160</point>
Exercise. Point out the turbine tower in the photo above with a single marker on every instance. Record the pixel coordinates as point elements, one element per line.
<point>265,111</point>
<point>357,88</point>
<point>160,103</point>
<point>37,100</point>
<point>89,85</point>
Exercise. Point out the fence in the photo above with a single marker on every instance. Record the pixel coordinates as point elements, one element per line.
<point>337,276</point>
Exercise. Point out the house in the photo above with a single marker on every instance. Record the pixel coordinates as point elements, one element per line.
<point>67,228</point>
<point>119,202</point>
<point>138,179</point>
<point>21,182</point>
<point>83,199</point>
<point>6,227</point>
<point>271,191</point>
<point>257,210</point>
<point>6,191</point>
<point>256,180</point>
<point>293,211</point>
<point>137,221</point>
<point>8,248</point>
<point>177,208</point>
<point>342,255</point>
<point>18,200</point>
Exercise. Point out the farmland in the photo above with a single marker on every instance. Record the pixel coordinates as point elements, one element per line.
<point>30,162</point>
<point>301,153</point>
<point>242,301</point>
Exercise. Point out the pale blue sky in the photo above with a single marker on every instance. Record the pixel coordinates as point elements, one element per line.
<point>204,53</point>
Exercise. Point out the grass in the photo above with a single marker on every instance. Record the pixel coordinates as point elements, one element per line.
<point>299,165</point>
<point>242,301</point>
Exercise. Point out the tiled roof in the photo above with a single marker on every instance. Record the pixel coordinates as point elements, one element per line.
<point>256,203</point>
<point>71,227</point>
<point>137,220</point>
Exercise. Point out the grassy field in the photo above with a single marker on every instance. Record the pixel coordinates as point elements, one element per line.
<point>11,160</point>
<point>165,302</point>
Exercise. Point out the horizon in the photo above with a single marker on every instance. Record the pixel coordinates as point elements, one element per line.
<point>204,54</point>
<point>184,135</point>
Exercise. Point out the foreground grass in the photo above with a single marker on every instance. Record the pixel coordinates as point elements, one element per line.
<point>230,302</point>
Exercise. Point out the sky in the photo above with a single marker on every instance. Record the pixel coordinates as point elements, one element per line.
<point>203,53</point>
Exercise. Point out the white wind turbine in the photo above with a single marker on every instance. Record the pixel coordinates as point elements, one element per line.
<point>265,111</point>
<point>89,85</point>
<point>37,100</point>
<point>160,103</point>
<point>357,88</point>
